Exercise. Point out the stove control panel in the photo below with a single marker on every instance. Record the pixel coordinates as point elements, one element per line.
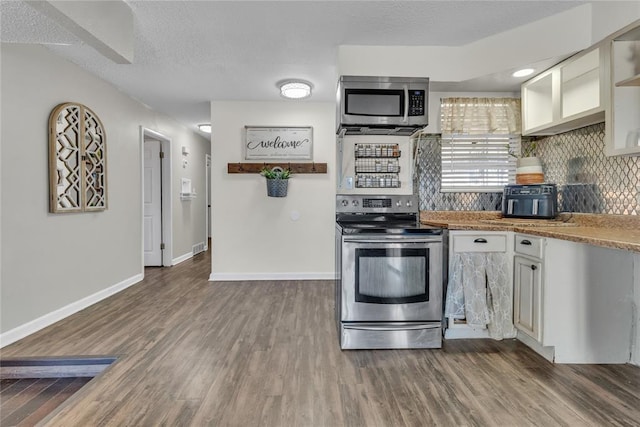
<point>376,204</point>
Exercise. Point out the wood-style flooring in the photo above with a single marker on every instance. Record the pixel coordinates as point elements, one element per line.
<point>196,353</point>
<point>26,401</point>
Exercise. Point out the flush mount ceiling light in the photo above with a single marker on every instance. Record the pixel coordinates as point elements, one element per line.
<point>205,127</point>
<point>523,73</point>
<point>295,89</point>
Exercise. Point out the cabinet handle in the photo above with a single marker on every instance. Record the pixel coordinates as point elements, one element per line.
<point>525,242</point>
<point>480,240</point>
<point>533,267</point>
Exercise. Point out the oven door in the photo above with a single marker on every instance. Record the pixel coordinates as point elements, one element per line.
<point>391,278</point>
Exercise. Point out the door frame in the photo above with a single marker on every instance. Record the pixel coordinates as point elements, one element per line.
<point>167,214</point>
<point>207,200</point>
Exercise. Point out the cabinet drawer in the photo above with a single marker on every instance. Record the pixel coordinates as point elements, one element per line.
<point>528,245</point>
<point>479,243</point>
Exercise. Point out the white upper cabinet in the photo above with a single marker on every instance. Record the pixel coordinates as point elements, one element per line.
<point>623,117</point>
<point>568,96</point>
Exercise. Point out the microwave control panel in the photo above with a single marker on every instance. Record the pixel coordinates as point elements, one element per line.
<point>416,102</point>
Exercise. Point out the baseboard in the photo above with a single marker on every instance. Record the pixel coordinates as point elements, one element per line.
<point>465,333</point>
<point>231,277</point>
<point>182,258</point>
<point>42,322</point>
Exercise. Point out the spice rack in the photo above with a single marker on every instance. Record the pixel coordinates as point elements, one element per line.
<point>377,165</point>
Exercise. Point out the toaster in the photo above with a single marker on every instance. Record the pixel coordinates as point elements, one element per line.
<point>530,201</point>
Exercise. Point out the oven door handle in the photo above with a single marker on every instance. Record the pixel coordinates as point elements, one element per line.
<point>373,327</point>
<point>399,239</point>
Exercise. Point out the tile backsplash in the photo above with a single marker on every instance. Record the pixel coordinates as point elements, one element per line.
<point>588,181</point>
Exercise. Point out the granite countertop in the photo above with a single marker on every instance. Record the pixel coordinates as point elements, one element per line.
<point>612,231</point>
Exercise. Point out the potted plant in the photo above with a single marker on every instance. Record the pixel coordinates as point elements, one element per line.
<point>277,180</point>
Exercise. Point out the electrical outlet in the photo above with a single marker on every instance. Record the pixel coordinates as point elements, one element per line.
<point>349,183</point>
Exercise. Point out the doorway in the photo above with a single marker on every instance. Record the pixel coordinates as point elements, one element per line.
<point>156,199</point>
<point>152,196</point>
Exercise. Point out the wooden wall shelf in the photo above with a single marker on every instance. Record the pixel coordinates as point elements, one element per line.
<point>294,167</point>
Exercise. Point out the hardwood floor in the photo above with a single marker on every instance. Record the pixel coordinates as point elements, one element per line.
<point>193,353</point>
<point>26,401</point>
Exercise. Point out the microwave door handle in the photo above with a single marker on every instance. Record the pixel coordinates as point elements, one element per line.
<point>535,206</point>
<point>511,202</point>
<point>406,104</point>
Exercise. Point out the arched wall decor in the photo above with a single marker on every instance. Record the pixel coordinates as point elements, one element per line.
<point>77,160</point>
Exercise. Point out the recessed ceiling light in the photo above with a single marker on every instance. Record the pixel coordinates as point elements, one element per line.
<point>205,127</point>
<point>523,73</point>
<point>295,89</point>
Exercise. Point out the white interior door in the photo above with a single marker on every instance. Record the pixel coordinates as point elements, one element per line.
<point>152,204</point>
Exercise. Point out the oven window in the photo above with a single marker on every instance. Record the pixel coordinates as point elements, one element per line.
<point>366,102</point>
<point>392,276</point>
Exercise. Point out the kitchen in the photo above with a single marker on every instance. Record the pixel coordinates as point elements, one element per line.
<point>237,225</point>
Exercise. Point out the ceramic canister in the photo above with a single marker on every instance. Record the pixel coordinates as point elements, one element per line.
<point>529,171</point>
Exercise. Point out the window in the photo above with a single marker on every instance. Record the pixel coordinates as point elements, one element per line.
<point>478,163</point>
<point>478,135</point>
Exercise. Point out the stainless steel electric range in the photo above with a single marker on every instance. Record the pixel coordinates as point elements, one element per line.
<point>389,274</point>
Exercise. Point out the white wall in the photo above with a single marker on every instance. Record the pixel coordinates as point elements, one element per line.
<point>189,216</point>
<point>610,16</point>
<point>557,35</point>
<point>255,236</point>
<point>54,264</point>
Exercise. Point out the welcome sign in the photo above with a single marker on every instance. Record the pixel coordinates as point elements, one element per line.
<point>278,143</point>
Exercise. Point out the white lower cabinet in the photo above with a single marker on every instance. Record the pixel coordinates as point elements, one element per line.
<point>475,242</point>
<point>574,304</point>
<point>527,297</point>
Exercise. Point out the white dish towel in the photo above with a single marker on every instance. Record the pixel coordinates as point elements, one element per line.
<point>480,291</point>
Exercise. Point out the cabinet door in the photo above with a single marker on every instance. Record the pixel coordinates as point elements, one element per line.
<point>528,297</point>
<point>622,134</point>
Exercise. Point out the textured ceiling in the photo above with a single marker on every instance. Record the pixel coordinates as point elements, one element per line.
<point>188,53</point>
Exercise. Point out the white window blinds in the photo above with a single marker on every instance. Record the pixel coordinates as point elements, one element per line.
<point>478,135</point>
<point>478,163</point>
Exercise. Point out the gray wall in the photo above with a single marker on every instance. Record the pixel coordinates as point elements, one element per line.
<point>51,261</point>
<point>588,181</point>
<point>272,238</point>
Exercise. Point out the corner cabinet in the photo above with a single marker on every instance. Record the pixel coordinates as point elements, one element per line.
<point>573,302</point>
<point>568,96</point>
<point>622,132</point>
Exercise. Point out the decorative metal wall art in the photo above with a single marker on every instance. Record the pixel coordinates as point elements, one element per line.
<point>77,160</point>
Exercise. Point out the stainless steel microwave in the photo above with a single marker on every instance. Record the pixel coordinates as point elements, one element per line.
<point>382,105</point>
